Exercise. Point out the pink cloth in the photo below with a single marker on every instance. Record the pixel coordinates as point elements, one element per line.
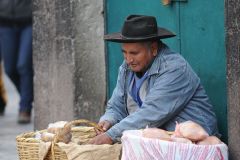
<point>136,147</point>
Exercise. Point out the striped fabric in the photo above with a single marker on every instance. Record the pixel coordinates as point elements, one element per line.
<point>136,147</point>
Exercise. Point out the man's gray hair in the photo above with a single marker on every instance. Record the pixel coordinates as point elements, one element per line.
<point>149,43</point>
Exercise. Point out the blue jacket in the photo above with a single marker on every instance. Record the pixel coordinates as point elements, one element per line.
<point>174,94</point>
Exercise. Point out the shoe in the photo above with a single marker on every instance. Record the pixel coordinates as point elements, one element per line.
<point>24,117</point>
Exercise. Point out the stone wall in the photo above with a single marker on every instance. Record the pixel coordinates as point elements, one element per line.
<point>232,10</point>
<point>69,60</point>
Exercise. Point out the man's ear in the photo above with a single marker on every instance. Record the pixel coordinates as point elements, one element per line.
<point>154,48</point>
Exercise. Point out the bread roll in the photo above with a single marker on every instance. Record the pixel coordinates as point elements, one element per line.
<point>181,140</point>
<point>191,130</point>
<point>211,140</point>
<point>156,133</point>
<point>47,137</point>
<point>61,130</point>
<point>55,127</point>
<point>65,138</point>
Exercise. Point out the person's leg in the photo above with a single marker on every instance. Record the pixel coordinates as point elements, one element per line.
<point>8,43</point>
<point>25,70</point>
<point>9,48</point>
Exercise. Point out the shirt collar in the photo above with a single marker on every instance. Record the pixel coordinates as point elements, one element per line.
<point>156,65</point>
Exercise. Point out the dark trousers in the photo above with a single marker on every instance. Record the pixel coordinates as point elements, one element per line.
<point>16,48</point>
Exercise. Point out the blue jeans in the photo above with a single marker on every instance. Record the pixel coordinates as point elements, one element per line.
<point>16,48</point>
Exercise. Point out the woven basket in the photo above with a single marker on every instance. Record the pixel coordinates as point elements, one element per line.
<point>28,146</point>
<point>56,152</point>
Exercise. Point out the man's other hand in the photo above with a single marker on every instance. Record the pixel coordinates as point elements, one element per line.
<point>101,139</point>
<point>105,125</point>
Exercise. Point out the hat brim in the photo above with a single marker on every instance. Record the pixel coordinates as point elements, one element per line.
<point>118,37</point>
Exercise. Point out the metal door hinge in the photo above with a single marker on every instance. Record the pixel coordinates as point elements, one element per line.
<point>166,2</point>
<point>179,0</point>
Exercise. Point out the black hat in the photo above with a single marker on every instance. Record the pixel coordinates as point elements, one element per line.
<point>139,28</point>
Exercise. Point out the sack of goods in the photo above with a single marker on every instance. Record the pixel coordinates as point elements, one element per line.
<point>64,140</point>
<point>189,141</point>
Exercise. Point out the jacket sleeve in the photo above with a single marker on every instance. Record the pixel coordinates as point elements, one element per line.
<point>171,91</point>
<point>116,107</point>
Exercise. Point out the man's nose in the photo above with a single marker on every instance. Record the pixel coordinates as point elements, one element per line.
<point>129,59</point>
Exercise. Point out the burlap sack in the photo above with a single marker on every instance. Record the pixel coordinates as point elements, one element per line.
<point>78,149</point>
<point>44,148</point>
<point>91,152</point>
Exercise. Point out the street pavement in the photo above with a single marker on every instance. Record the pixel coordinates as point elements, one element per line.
<point>9,128</point>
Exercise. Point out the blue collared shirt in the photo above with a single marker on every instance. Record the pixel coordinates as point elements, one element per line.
<point>174,93</point>
<point>136,86</point>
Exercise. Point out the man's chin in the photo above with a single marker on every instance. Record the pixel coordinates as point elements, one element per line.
<point>134,69</point>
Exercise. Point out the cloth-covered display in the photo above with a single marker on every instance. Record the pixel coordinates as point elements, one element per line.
<point>137,147</point>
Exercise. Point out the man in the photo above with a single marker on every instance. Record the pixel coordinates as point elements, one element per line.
<point>155,88</point>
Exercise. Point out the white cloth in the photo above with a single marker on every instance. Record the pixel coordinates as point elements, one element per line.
<point>136,147</point>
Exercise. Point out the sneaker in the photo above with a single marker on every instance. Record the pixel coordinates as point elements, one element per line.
<point>24,117</point>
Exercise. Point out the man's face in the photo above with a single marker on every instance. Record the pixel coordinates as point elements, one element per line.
<point>139,55</point>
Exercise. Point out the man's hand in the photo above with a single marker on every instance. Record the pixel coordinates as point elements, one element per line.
<point>101,139</point>
<point>105,125</point>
